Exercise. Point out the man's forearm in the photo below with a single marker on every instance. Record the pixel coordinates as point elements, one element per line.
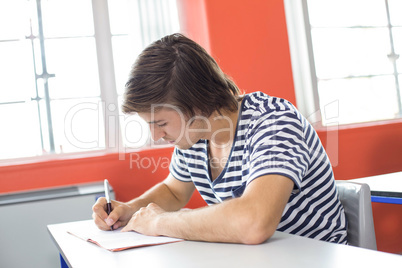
<point>229,221</point>
<point>161,195</point>
<point>249,219</point>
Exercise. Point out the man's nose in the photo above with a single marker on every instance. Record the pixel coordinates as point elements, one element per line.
<point>156,132</point>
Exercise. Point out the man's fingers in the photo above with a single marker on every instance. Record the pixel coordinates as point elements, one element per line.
<point>117,225</point>
<point>100,222</point>
<point>111,220</point>
<point>130,224</point>
<point>99,207</point>
<point>128,227</point>
<point>118,217</point>
<point>100,216</point>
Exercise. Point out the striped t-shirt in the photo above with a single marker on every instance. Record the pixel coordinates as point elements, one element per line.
<point>272,137</point>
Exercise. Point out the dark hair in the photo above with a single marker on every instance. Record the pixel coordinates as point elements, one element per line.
<point>176,70</point>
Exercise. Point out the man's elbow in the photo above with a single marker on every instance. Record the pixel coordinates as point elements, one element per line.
<point>255,234</point>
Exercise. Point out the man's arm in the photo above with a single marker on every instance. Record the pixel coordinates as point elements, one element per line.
<point>249,219</point>
<point>171,195</point>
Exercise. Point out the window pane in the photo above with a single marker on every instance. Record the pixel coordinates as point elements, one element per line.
<point>17,81</point>
<point>67,18</point>
<point>14,13</point>
<point>359,99</point>
<point>158,18</point>
<point>344,13</point>
<point>147,20</point>
<point>45,126</point>
<point>135,24</point>
<point>170,12</point>
<point>351,52</point>
<point>74,63</point>
<point>395,10</point>
<point>37,55</point>
<point>78,125</point>
<point>119,15</point>
<point>152,20</point>
<point>125,51</point>
<point>397,35</point>
<point>20,134</point>
<point>134,130</point>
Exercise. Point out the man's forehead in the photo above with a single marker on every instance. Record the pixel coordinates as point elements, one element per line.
<point>159,115</point>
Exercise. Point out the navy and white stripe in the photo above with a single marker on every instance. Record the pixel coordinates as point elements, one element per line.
<point>272,137</point>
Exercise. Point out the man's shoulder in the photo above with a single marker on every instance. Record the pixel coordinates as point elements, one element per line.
<point>261,102</point>
<point>258,106</point>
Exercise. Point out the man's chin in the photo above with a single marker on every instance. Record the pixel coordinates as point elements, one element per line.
<point>182,147</point>
<point>185,146</point>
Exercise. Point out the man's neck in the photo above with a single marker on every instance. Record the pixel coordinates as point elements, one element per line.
<point>223,127</point>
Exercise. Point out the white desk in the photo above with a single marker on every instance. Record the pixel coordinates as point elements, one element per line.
<point>282,250</point>
<point>386,188</point>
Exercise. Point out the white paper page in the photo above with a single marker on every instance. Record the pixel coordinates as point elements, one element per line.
<point>116,239</point>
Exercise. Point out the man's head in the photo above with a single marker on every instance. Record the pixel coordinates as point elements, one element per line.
<point>177,71</point>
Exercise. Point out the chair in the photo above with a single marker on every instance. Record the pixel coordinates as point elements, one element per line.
<point>356,200</point>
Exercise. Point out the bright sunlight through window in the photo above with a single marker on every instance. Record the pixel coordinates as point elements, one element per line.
<point>58,91</point>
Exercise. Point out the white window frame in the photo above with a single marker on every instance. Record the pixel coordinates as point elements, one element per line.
<point>108,95</point>
<point>302,61</point>
<point>107,79</point>
<point>303,67</point>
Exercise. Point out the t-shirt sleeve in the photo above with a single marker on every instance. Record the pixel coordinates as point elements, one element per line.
<point>277,146</point>
<point>178,167</point>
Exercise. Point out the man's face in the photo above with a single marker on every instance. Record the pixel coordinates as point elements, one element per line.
<point>172,126</point>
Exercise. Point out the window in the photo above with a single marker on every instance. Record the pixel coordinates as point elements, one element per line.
<point>345,58</point>
<point>63,68</point>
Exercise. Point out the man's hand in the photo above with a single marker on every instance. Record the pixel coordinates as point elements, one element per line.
<point>120,215</point>
<point>145,220</point>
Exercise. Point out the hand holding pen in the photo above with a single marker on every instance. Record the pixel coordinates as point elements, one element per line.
<point>107,216</point>
<point>108,202</point>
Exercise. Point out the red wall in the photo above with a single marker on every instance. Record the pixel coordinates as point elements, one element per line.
<point>129,177</point>
<point>249,41</point>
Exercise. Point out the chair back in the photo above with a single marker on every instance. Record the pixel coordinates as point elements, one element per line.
<point>356,200</point>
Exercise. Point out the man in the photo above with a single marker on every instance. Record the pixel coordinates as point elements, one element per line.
<point>255,159</point>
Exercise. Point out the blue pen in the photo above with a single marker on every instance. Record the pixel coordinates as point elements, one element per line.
<point>108,202</point>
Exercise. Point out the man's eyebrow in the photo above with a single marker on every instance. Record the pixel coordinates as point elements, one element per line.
<point>155,122</point>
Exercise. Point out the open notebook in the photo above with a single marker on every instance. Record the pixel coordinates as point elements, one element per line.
<point>116,240</point>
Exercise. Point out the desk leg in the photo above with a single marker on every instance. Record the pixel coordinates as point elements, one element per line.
<point>63,263</point>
